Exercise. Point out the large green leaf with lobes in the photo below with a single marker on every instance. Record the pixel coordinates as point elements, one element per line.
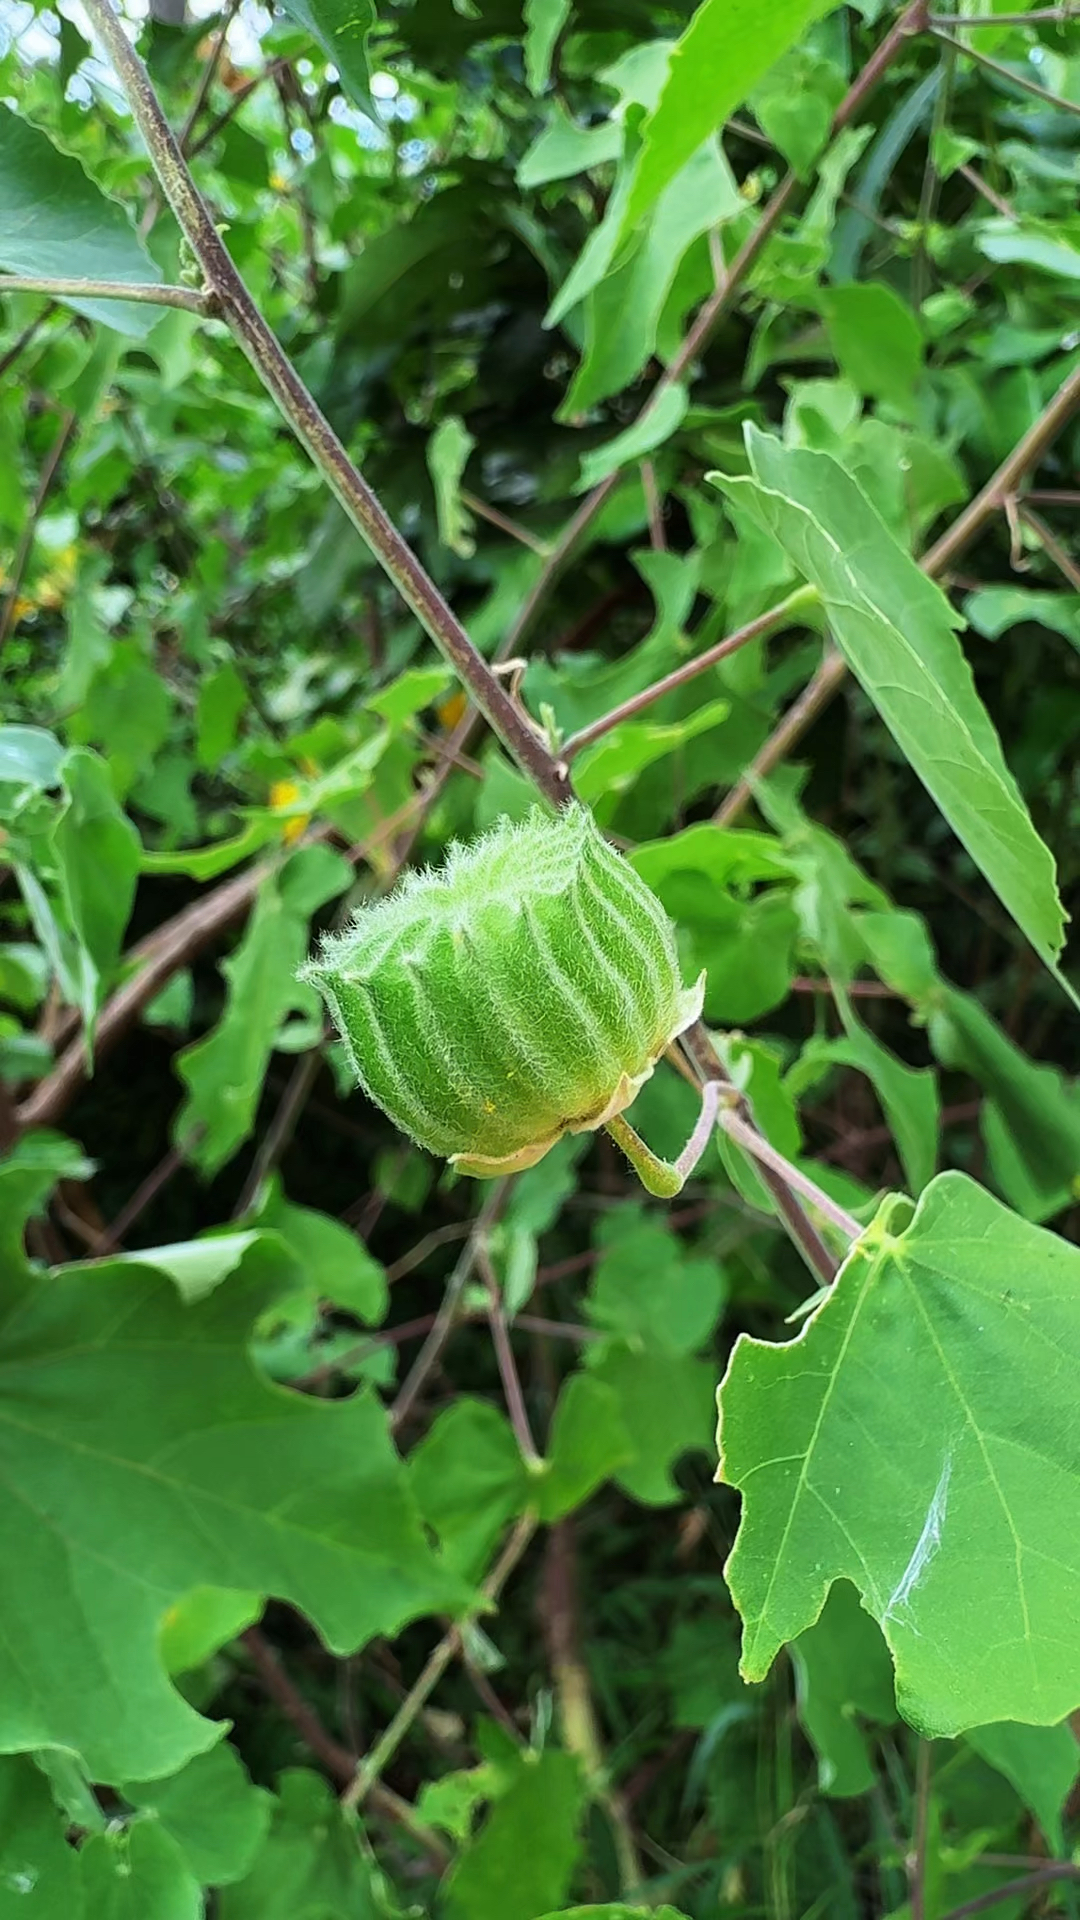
<point>897,632</point>
<point>921,1438</point>
<point>141,1456</point>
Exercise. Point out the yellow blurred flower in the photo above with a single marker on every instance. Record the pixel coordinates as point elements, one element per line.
<point>285,794</point>
<point>450,710</point>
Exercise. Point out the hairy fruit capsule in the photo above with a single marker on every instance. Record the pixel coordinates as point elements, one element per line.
<point>523,990</point>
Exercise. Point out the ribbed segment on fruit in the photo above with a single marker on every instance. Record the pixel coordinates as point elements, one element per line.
<point>523,990</point>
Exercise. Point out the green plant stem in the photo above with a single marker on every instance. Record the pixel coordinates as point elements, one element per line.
<point>657,1176</point>
<point>787,613</point>
<point>141,293</point>
<point>372,1766</point>
<point>666,1178</point>
<point>310,425</point>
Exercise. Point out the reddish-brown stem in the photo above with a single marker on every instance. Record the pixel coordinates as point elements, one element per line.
<point>301,1085</point>
<point>797,1221</point>
<point>25,339</point>
<point>801,715</point>
<point>68,424</point>
<point>1016,1889</point>
<point>654,507</point>
<point>950,22</point>
<point>989,193</point>
<point>432,1350</point>
<point>504,1355</point>
<point>917,1862</point>
<point>1050,544</point>
<point>209,74</point>
<point>1006,73</point>
<point>243,93</point>
<point>523,535</point>
<point>558,1611</point>
<point>336,1759</point>
<point>787,613</point>
<point>766,1156</point>
<point>162,955</point>
<point>156,1181</point>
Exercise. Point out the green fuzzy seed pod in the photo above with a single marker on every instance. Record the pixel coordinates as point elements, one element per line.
<point>524,990</point>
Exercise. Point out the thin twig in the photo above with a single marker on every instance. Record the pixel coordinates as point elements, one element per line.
<point>801,1229</point>
<point>416,1699</point>
<point>25,339</point>
<point>1050,544</point>
<point>149,293</point>
<point>654,507</point>
<point>951,22</point>
<point>800,715</point>
<point>759,1148</point>
<point>301,1084</point>
<point>504,1355</point>
<point>457,1230</point>
<point>558,1329</point>
<point>337,1760</point>
<point>431,1352</point>
<point>786,614</point>
<point>242,94</point>
<point>857,989</point>
<point>1014,1889</point>
<point>162,954</point>
<point>989,193</point>
<point>156,1181</point>
<point>1027,452</point>
<point>156,958</point>
<point>917,1860</point>
<point>209,74</point>
<point>1007,73</point>
<point>558,1610</point>
<point>68,424</point>
<point>524,535</point>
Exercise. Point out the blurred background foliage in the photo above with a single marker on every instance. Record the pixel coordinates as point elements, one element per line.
<point>236,724</point>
